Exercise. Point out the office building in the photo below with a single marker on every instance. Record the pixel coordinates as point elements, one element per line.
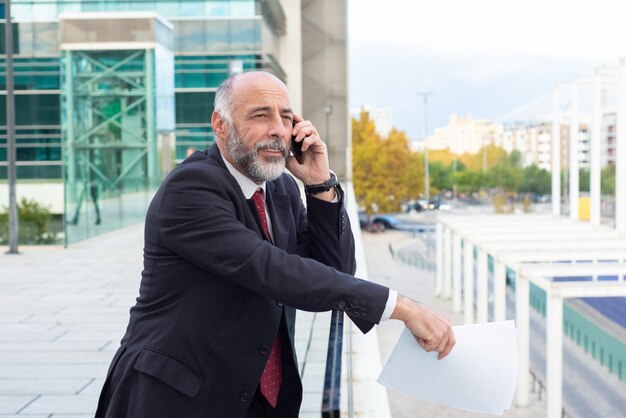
<point>110,95</point>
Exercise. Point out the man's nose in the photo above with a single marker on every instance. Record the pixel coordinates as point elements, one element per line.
<point>276,127</point>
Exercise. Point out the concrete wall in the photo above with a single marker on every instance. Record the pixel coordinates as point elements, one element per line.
<point>290,52</point>
<point>48,194</point>
<point>325,76</point>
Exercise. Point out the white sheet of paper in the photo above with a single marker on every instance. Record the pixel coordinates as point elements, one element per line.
<point>479,375</point>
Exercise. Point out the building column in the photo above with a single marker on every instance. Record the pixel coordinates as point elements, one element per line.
<point>468,282</point>
<point>554,352</point>
<point>573,154</point>
<point>439,254</point>
<point>620,152</point>
<point>522,319</point>
<point>447,263</point>
<point>595,151</point>
<point>482,288</point>
<point>456,273</point>
<point>499,291</point>
<point>556,153</point>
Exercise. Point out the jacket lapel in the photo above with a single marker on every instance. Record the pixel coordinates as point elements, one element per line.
<point>278,206</point>
<point>277,203</point>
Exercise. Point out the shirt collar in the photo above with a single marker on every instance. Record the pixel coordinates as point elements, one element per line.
<point>248,187</point>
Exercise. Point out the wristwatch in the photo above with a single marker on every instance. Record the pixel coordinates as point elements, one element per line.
<point>313,189</point>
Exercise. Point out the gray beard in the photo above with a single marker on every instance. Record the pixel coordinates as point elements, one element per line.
<point>255,167</point>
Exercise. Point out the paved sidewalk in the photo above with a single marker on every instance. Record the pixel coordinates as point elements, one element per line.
<point>63,313</point>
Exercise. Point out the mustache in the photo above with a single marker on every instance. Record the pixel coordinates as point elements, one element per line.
<point>271,144</point>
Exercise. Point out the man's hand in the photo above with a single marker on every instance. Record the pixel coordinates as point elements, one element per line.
<point>432,331</point>
<point>315,167</point>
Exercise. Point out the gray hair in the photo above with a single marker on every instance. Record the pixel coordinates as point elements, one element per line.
<point>224,100</point>
<point>223,103</point>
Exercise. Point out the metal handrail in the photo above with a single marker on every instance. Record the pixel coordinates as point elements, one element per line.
<point>332,377</point>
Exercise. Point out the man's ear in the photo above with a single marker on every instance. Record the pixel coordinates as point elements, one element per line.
<point>220,126</point>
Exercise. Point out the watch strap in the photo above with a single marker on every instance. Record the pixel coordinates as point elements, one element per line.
<point>313,189</point>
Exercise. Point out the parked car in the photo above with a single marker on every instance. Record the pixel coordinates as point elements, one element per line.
<point>382,222</point>
<point>362,219</point>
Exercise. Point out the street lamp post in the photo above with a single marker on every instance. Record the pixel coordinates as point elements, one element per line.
<point>425,95</point>
<point>11,153</point>
<point>328,110</point>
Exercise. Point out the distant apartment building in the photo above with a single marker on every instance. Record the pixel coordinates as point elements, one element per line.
<point>534,143</point>
<point>381,116</point>
<point>609,133</point>
<point>463,134</point>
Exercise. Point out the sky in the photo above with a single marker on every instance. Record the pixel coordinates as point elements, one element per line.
<point>491,59</point>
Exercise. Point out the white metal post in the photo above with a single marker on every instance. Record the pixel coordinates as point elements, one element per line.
<point>596,138</point>
<point>468,282</point>
<point>556,153</point>
<point>482,307</point>
<point>456,273</point>
<point>439,266</point>
<point>573,154</point>
<point>499,291</point>
<point>620,152</point>
<point>447,263</point>
<point>522,319</point>
<point>554,352</point>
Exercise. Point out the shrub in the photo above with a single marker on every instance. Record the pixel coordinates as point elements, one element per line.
<point>34,224</point>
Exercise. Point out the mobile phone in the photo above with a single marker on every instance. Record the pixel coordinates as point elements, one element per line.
<point>296,149</point>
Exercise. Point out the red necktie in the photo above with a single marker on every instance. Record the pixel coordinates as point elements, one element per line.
<point>271,378</point>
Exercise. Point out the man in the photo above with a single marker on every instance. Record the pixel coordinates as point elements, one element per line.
<point>230,253</point>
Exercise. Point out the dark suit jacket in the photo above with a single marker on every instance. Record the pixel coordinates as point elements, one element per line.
<point>213,294</point>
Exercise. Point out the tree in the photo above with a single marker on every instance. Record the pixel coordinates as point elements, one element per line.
<point>583,180</point>
<point>366,145</point>
<point>468,181</point>
<point>535,180</point>
<point>608,180</point>
<point>441,175</point>
<point>475,161</point>
<point>386,172</point>
<point>443,156</point>
<point>505,177</point>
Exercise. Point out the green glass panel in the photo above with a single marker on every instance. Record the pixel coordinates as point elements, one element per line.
<point>194,107</point>
<point>37,109</point>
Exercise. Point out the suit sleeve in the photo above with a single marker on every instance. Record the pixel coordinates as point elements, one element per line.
<point>327,226</point>
<point>332,243</point>
<point>199,220</point>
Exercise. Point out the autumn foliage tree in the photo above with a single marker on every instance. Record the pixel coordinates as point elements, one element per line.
<point>385,171</point>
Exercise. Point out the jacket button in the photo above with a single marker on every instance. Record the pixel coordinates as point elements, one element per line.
<point>279,304</point>
<point>244,397</point>
<point>341,304</point>
<point>363,312</point>
<point>349,307</point>
<point>356,310</point>
<point>265,349</point>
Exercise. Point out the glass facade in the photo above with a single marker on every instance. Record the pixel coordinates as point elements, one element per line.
<point>208,36</point>
<point>109,110</point>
